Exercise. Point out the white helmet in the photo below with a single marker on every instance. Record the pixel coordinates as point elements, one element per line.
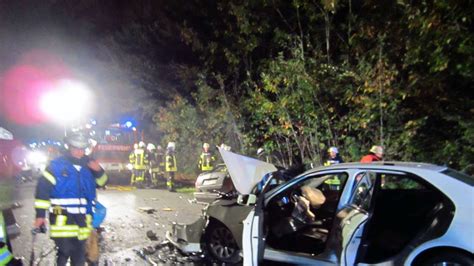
<point>377,150</point>
<point>333,149</point>
<point>171,145</point>
<point>206,145</point>
<point>135,146</point>
<point>259,151</point>
<point>77,140</point>
<point>150,146</point>
<point>141,144</point>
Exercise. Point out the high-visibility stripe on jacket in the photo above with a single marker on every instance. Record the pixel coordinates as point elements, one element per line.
<point>139,159</point>
<point>5,255</point>
<point>170,164</point>
<point>67,189</point>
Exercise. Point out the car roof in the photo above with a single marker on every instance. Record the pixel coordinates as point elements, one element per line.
<point>385,165</point>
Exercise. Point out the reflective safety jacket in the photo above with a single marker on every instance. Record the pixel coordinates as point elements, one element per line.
<point>67,189</point>
<point>334,182</point>
<point>370,158</point>
<point>5,255</point>
<point>206,161</point>
<point>170,164</point>
<point>139,159</point>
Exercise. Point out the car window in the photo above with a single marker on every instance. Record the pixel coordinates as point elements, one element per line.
<point>459,176</point>
<point>405,206</point>
<point>363,190</point>
<point>332,182</point>
<point>399,182</point>
<point>299,217</point>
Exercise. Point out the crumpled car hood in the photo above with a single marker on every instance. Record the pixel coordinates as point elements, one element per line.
<point>246,172</point>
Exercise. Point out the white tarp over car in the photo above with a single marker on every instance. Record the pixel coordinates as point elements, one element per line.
<point>246,172</point>
<point>5,134</point>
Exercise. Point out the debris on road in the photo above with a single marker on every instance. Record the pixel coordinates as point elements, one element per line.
<point>151,235</point>
<point>148,210</point>
<point>166,253</point>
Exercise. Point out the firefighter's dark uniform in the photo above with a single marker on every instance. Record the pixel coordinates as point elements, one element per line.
<point>170,168</point>
<point>206,162</point>
<point>67,189</point>
<point>157,166</point>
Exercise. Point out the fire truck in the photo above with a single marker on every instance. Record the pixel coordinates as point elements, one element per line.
<point>114,145</point>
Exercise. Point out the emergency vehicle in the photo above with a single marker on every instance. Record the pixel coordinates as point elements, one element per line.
<point>114,145</point>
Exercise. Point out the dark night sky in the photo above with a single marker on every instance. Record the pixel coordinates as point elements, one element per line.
<point>68,31</point>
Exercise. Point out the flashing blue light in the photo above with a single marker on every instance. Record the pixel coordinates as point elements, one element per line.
<point>128,124</point>
<point>93,122</point>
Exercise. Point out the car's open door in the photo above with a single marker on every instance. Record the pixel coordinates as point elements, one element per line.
<point>253,245</point>
<point>352,219</point>
<point>252,248</point>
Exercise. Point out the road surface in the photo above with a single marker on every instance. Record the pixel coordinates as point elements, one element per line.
<point>126,224</point>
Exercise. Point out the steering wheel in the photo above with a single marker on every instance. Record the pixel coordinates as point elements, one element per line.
<point>294,195</point>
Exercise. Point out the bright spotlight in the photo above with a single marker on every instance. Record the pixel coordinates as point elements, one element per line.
<point>67,102</point>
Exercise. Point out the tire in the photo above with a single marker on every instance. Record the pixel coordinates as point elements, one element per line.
<point>220,244</point>
<point>449,259</point>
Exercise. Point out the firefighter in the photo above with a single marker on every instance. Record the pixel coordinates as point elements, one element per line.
<point>6,257</point>
<point>334,158</point>
<point>206,159</point>
<point>154,163</point>
<point>139,160</point>
<point>160,157</point>
<point>375,154</point>
<point>170,165</point>
<point>67,189</point>
<point>264,155</point>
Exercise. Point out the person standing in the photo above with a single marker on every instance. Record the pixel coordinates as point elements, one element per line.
<point>334,157</point>
<point>206,159</point>
<point>67,190</point>
<point>139,160</point>
<point>155,159</point>
<point>170,165</point>
<point>375,154</point>
<point>263,155</point>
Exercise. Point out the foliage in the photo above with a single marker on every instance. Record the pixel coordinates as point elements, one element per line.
<point>296,77</point>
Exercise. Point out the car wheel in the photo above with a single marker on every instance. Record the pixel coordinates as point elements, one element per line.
<point>220,243</point>
<point>449,259</point>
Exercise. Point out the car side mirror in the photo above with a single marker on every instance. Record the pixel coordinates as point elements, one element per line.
<point>250,199</point>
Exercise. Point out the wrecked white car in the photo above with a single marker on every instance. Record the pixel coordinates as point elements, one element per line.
<point>388,213</point>
<point>393,213</point>
<point>218,232</point>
